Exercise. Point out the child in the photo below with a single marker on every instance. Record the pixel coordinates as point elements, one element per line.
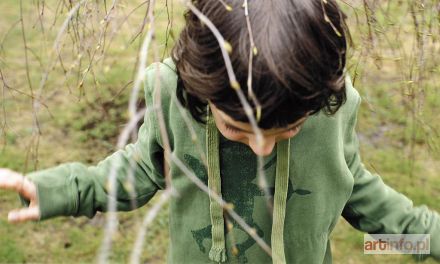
<point>310,149</point>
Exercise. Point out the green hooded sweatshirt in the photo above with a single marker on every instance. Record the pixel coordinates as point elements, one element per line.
<point>324,179</point>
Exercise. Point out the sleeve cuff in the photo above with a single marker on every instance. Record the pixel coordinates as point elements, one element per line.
<point>55,197</point>
<point>434,231</point>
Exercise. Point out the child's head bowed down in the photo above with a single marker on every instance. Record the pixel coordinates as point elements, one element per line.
<point>297,66</point>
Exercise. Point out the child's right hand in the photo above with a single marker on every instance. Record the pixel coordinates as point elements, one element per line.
<point>12,180</point>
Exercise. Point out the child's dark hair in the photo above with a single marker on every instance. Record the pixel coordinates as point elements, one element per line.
<point>299,67</point>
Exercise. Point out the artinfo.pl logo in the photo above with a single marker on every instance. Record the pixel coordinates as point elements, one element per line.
<point>397,244</point>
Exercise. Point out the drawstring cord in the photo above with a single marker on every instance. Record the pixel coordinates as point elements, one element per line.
<point>279,212</point>
<point>218,249</point>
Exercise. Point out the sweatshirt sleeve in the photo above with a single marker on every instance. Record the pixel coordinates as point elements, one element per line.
<point>374,207</point>
<point>74,189</point>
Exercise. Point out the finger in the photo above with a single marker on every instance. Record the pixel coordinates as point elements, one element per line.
<point>28,189</point>
<point>23,215</point>
<point>9,179</point>
<point>15,181</point>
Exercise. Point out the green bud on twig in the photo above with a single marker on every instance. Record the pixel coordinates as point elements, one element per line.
<point>228,47</point>
<point>235,85</point>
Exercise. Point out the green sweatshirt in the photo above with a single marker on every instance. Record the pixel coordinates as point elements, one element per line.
<point>326,179</point>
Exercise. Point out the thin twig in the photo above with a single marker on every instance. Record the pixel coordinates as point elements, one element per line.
<point>148,219</point>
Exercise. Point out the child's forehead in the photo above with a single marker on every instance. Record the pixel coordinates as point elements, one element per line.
<point>247,127</point>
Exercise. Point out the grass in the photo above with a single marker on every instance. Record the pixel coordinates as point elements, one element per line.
<point>82,125</point>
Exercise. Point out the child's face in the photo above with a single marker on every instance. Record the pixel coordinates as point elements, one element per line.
<point>242,132</point>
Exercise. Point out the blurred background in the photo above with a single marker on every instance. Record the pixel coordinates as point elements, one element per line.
<point>65,88</point>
